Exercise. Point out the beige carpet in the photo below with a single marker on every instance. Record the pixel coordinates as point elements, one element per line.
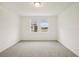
<point>37,49</point>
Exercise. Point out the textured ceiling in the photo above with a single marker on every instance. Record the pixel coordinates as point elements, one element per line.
<point>28,8</point>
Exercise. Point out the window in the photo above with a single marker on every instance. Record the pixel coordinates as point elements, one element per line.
<point>44,25</point>
<point>39,25</point>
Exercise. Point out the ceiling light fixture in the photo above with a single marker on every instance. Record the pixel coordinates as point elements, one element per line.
<point>37,4</point>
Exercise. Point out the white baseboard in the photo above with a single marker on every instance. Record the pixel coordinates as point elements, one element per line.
<point>9,46</point>
<point>68,48</point>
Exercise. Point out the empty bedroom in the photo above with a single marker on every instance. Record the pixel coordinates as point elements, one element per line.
<point>39,29</point>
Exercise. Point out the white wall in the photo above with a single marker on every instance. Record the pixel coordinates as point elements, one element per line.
<point>26,33</point>
<point>9,28</point>
<point>68,28</point>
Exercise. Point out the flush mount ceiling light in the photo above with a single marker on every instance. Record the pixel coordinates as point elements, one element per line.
<point>37,4</point>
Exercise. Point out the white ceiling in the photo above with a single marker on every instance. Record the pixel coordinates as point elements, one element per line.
<point>28,8</point>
